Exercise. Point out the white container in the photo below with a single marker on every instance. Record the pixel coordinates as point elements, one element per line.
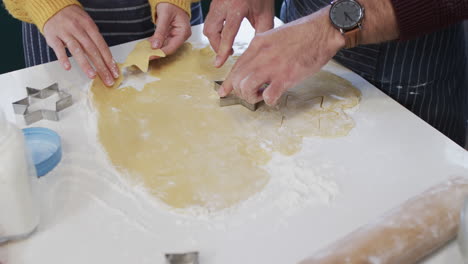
<point>19,216</point>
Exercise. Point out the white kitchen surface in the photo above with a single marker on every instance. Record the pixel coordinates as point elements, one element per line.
<point>91,214</point>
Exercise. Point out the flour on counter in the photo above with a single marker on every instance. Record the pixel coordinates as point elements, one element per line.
<point>86,183</point>
<point>136,78</point>
<point>296,182</point>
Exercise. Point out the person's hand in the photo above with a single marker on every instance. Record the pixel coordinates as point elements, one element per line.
<point>224,19</point>
<point>72,28</point>
<point>282,58</point>
<point>172,28</point>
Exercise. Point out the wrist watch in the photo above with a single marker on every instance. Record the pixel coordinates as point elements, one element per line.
<point>346,16</point>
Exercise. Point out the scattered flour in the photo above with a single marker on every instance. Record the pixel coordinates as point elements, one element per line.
<point>295,182</point>
<point>136,78</point>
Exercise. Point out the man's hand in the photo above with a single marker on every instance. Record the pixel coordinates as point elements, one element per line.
<point>172,28</point>
<point>72,28</point>
<point>283,57</point>
<point>224,19</point>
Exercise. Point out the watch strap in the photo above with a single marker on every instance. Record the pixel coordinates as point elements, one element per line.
<point>351,38</point>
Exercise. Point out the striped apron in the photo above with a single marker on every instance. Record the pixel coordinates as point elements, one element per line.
<point>119,21</point>
<point>425,75</point>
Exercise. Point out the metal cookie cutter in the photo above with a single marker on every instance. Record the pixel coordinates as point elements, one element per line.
<point>182,258</point>
<point>232,99</point>
<point>21,107</point>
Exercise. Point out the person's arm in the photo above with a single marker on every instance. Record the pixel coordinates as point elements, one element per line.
<point>419,17</point>
<point>287,55</point>
<point>37,12</point>
<point>379,24</point>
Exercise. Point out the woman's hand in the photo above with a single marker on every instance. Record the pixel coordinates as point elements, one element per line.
<point>172,28</point>
<point>72,28</point>
<point>282,58</point>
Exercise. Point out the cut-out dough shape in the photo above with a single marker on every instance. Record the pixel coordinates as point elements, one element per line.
<point>175,139</point>
<point>140,55</point>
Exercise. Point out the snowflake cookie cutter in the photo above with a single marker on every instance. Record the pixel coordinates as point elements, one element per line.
<point>21,107</point>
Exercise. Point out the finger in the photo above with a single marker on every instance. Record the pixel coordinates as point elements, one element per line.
<point>59,49</point>
<point>273,92</point>
<point>213,26</point>
<point>226,88</point>
<point>214,41</point>
<point>174,42</point>
<point>228,34</point>
<point>240,64</point>
<point>79,54</point>
<point>162,30</point>
<point>240,75</point>
<point>265,23</point>
<point>95,57</point>
<point>104,50</point>
<point>250,87</point>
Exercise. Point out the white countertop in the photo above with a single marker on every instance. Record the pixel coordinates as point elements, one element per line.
<point>90,214</point>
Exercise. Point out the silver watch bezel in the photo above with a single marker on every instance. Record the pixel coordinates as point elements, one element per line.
<point>355,25</point>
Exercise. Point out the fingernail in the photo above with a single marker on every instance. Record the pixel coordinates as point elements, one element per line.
<point>266,98</point>
<point>217,62</point>
<point>91,73</point>
<point>115,70</point>
<point>109,81</point>
<point>269,101</point>
<point>66,65</point>
<point>156,44</point>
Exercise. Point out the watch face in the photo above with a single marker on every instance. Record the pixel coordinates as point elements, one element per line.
<point>346,14</point>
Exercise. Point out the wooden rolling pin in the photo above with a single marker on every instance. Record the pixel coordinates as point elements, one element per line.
<point>404,235</point>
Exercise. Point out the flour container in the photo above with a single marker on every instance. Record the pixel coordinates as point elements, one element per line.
<point>19,216</point>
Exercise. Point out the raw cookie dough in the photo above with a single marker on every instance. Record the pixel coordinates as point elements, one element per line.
<point>140,55</point>
<point>188,151</point>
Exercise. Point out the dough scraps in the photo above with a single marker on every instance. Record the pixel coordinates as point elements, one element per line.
<point>188,151</point>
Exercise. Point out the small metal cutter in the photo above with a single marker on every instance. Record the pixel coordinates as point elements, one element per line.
<point>182,258</point>
<point>232,99</point>
<point>21,107</point>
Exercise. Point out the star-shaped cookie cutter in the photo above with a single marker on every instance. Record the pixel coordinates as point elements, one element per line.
<point>21,107</point>
<point>232,99</point>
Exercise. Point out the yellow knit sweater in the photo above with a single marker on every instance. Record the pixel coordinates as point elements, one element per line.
<point>39,11</point>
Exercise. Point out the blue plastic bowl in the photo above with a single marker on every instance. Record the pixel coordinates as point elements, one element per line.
<point>45,148</point>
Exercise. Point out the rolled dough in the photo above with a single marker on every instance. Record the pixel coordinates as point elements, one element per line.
<point>188,151</point>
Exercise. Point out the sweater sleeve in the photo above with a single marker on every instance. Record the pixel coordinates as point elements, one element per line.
<point>419,17</point>
<point>184,4</point>
<point>37,12</point>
